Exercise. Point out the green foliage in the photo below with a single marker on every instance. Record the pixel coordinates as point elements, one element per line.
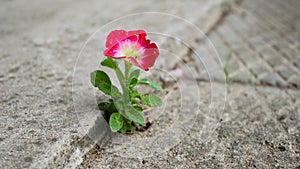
<point>153,85</point>
<point>226,71</point>
<point>134,94</point>
<point>116,122</point>
<point>99,77</point>
<point>135,74</point>
<point>133,78</point>
<point>133,83</point>
<point>124,110</point>
<point>101,80</point>
<point>127,127</point>
<point>135,115</point>
<point>107,106</point>
<point>103,106</point>
<point>129,112</point>
<point>152,100</point>
<point>138,108</point>
<point>108,62</point>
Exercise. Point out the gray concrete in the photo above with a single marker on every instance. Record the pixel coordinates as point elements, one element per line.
<point>40,41</point>
<point>264,40</point>
<point>260,124</point>
<point>259,127</point>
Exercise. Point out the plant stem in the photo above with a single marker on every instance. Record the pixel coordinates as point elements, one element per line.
<point>124,81</point>
<point>120,77</point>
<point>128,66</point>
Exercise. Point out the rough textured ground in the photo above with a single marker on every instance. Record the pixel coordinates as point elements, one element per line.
<point>40,41</point>
<point>259,127</point>
<point>260,124</point>
<point>264,40</point>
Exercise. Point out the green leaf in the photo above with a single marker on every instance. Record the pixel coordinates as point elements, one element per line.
<point>138,108</point>
<point>134,74</point>
<point>133,83</point>
<point>105,88</point>
<point>116,122</point>
<point>101,80</point>
<point>111,107</point>
<point>135,102</point>
<point>226,71</point>
<point>114,92</point>
<point>150,83</point>
<point>134,115</point>
<point>127,127</point>
<point>125,107</point>
<point>130,127</point>
<point>103,106</point>
<point>109,62</point>
<point>152,100</point>
<point>119,104</point>
<point>134,94</point>
<point>99,77</point>
<point>123,129</point>
<point>109,90</point>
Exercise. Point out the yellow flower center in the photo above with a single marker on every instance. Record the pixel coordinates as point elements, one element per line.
<point>128,48</point>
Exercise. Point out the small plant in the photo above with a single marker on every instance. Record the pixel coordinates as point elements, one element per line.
<point>226,71</point>
<point>125,110</point>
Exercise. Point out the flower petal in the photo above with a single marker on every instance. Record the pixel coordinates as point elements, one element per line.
<point>113,52</point>
<point>136,32</point>
<point>132,45</point>
<point>150,55</point>
<point>136,63</point>
<point>115,37</point>
<point>133,60</point>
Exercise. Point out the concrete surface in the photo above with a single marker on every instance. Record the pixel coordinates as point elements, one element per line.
<point>260,124</point>
<point>40,41</point>
<point>259,127</point>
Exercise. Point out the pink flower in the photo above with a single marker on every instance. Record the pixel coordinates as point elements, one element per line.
<point>131,45</point>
